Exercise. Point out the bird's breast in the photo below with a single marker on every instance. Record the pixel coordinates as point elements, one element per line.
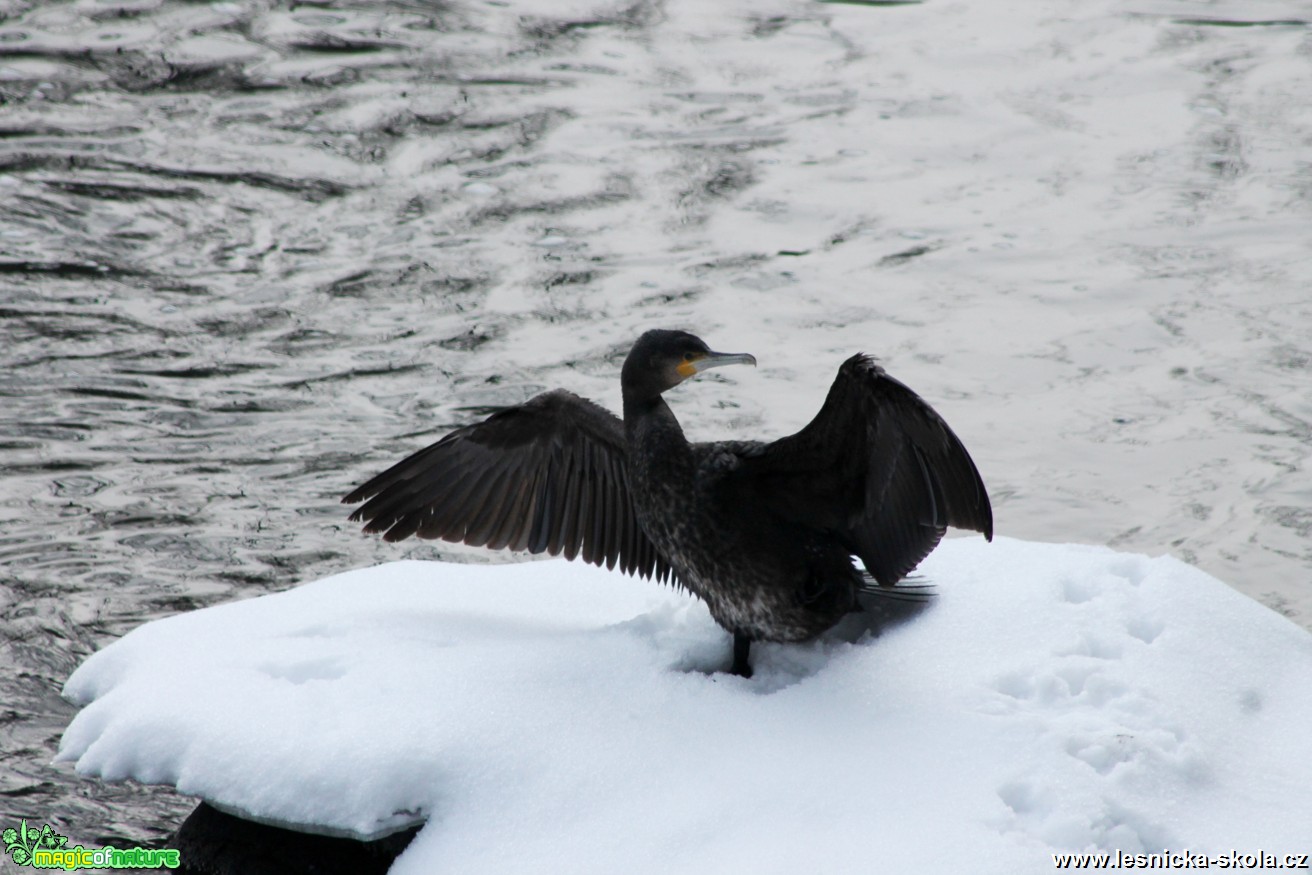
<point>751,567</point>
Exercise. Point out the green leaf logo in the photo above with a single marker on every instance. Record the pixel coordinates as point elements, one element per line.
<point>21,842</point>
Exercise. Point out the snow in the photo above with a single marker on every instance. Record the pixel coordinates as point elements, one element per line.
<point>549,716</point>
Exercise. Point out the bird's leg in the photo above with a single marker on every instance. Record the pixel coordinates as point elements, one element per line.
<point>741,644</point>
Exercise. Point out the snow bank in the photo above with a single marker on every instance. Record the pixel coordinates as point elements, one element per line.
<point>551,717</point>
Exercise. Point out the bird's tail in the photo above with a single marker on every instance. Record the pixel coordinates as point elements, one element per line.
<point>888,605</point>
<point>914,588</point>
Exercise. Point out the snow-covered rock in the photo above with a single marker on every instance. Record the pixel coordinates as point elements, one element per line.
<point>552,717</point>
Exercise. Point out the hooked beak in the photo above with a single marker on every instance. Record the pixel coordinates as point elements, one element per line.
<point>715,360</point>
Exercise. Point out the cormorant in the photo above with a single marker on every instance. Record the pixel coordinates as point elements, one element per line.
<point>764,533</point>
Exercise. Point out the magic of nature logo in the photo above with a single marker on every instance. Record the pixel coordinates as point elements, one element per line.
<point>46,849</point>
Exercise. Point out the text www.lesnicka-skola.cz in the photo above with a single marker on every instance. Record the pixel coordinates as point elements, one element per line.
<point>1181,860</point>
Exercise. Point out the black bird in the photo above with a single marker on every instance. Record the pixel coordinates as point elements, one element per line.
<point>764,533</point>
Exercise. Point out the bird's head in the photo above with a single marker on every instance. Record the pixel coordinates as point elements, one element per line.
<point>662,359</point>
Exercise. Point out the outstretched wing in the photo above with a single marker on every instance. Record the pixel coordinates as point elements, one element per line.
<point>878,467</point>
<point>549,475</point>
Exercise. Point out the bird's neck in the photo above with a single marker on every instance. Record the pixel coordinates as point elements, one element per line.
<point>651,427</point>
<point>661,468</point>
<point>643,409</point>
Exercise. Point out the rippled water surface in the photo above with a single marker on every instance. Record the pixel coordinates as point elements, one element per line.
<point>251,252</point>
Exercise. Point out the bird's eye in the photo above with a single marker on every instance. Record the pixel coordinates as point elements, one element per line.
<point>687,356</point>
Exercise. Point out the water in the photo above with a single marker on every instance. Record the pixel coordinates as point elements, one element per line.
<point>252,252</point>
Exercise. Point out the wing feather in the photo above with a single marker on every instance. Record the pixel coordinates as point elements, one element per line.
<point>488,508</point>
<point>588,509</point>
<point>549,475</point>
<point>568,536</point>
<point>879,467</point>
<point>519,517</point>
<point>609,518</point>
